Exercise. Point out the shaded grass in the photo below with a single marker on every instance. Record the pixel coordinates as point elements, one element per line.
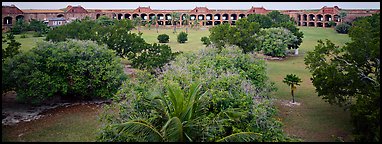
<point>315,119</point>
<point>26,43</point>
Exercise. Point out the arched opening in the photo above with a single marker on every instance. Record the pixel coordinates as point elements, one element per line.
<point>120,16</point>
<point>60,15</point>
<point>233,17</point>
<point>303,23</point>
<point>19,17</point>
<point>114,16</point>
<point>192,17</point>
<point>319,24</point>
<point>328,18</point>
<point>311,24</point>
<point>326,24</point>
<point>336,18</point>
<point>299,18</point>
<point>144,16</point>
<point>7,21</point>
<point>311,17</point>
<point>135,15</point>
<point>209,16</point>
<point>200,17</point>
<point>160,17</point>
<point>168,16</point>
<point>304,17</point>
<point>225,16</point>
<point>151,16</point>
<point>298,23</point>
<point>233,22</point>
<point>217,23</point>
<point>98,15</point>
<point>217,17</point>
<point>209,23</point>
<point>319,17</point>
<point>241,16</point>
<point>224,22</point>
<point>127,16</point>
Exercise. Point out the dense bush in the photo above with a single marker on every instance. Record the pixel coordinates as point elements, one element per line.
<point>343,28</point>
<point>234,85</point>
<point>163,38</point>
<point>72,69</point>
<point>275,41</point>
<point>12,49</point>
<point>206,41</point>
<point>182,37</point>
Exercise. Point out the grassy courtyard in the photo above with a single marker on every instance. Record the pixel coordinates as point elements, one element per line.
<point>313,120</point>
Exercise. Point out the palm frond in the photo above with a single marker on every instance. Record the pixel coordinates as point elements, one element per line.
<point>173,130</point>
<point>140,129</point>
<point>242,137</point>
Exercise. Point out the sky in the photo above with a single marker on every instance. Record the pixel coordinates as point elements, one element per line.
<point>191,5</point>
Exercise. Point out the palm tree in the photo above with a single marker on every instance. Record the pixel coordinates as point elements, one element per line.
<point>196,23</point>
<point>180,108</point>
<point>154,20</point>
<point>342,16</point>
<point>186,21</point>
<point>292,80</point>
<point>137,22</point>
<point>174,19</point>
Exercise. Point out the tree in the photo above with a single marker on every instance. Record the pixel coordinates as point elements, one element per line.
<point>154,21</point>
<point>263,20</point>
<point>182,37</point>
<point>163,38</point>
<point>206,41</point>
<point>137,22</point>
<point>343,28</point>
<point>19,27</point>
<point>12,49</point>
<point>332,23</point>
<point>71,70</point>
<point>38,26</point>
<point>275,41</point>
<point>186,21</point>
<point>220,35</point>
<point>342,16</point>
<point>292,80</point>
<point>244,35</point>
<point>277,17</point>
<point>174,19</point>
<point>350,76</point>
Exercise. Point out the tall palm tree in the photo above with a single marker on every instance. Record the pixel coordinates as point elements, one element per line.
<point>154,21</point>
<point>137,22</point>
<point>186,21</point>
<point>292,80</point>
<point>174,19</point>
<point>196,23</point>
<point>180,108</point>
<point>342,16</point>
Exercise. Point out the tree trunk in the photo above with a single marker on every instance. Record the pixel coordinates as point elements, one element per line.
<point>174,28</point>
<point>187,29</point>
<point>156,27</point>
<point>292,93</point>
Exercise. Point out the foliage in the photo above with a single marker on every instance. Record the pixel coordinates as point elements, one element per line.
<point>263,20</point>
<point>206,41</point>
<point>350,76</point>
<point>23,36</point>
<point>81,30</point>
<point>232,101</point>
<point>277,17</point>
<point>174,19</point>
<point>151,56</point>
<point>12,49</point>
<point>72,69</point>
<point>20,27</point>
<point>275,41</point>
<point>296,32</point>
<point>332,23</point>
<point>220,35</point>
<point>163,38</point>
<point>182,37</point>
<point>292,80</point>
<point>244,35</point>
<point>38,26</point>
<point>343,28</point>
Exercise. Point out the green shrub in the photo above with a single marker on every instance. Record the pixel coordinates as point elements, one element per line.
<point>343,28</point>
<point>163,38</point>
<point>71,70</point>
<point>182,37</point>
<point>235,87</point>
<point>206,41</point>
<point>37,34</point>
<point>275,41</point>
<point>24,36</point>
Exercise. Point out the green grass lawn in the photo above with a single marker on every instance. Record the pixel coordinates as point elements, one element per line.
<point>313,120</point>
<point>26,43</point>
